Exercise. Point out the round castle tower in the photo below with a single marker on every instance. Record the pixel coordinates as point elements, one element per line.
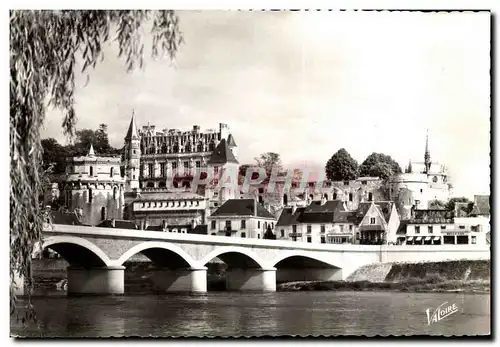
<point>94,187</point>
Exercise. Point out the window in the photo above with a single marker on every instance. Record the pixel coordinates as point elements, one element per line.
<point>258,236</point>
<point>443,227</point>
<point>323,239</point>
<point>350,197</point>
<point>198,164</point>
<point>150,170</point>
<point>357,236</point>
<point>214,224</point>
<point>372,220</point>
<point>111,172</point>
<point>216,169</point>
<point>323,229</point>
<point>174,165</point>
<point>133,177</point>
<point>285,199</point>
<point>474,228</point>
<point>461,227</point>
<point>350,227</point>
<point>282,233</point>
<point>243,224</point>
<point>90,195</point>
<point>91,171</point>
<point>261,190</point>
<point>429,228</point>
<point>243,235</point>
<point>346,183</point>
<point>228,225</point>
<point>186,164</point>
<point>133,151</point>
<point>162,169</point>
<point>417,230</point>
<point>258,224</point>
<point>334,196</point>
<point>309,239</point>
<point>272,225</point>
<point>309,228</point>
<point>370,196</point>
<point>363,182</point>
<point>311,184</point>
<point>473,240</point>
<point>435,179</point>
<point>294,229</point>
<point>341,226</point>
<point>421,190</point>
<point>213,234</point>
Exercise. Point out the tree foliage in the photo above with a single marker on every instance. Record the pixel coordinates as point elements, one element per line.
<point>269,161</point>
<point>465,204</point>
<point>437,205</point>
<point>341,167</point>
<point>379,165</point>
<point>45,47</point>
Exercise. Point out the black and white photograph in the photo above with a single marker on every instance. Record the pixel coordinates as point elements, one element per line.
<point>249,173</point>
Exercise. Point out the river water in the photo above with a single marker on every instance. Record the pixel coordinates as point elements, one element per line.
<point>254,314</point>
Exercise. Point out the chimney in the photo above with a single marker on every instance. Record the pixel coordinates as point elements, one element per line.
<point>113,223</point>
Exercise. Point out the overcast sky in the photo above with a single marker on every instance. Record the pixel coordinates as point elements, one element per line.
<point>305,84</point>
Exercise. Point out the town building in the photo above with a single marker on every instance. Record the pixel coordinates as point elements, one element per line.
<point>331,222</point>
<point>241,218</point>
<point>437,227</point>
<point>156,208</point>
<point>94,187</point>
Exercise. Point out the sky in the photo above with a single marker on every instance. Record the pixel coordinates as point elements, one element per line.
<point>305,84</point>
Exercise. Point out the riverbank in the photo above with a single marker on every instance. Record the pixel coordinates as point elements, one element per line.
<point>467,276</point>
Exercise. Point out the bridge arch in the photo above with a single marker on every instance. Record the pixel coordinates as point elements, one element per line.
<point>76,251</point>
<point>235,257</point>
<point>300,266</point>
<point>161,253</point>
<point>308,260</point>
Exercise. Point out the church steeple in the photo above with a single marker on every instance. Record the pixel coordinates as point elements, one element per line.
<point>132,129</point>
<point>427,155</point>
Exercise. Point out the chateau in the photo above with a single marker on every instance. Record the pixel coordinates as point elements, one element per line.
<point>171,182</point>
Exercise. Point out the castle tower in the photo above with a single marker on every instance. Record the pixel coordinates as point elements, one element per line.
<point>94,187</point>
<point>132,155</point>
<point>427,155</point>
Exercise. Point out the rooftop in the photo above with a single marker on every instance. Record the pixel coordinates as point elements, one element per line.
<point>241,207</point>
<point>222,154</point>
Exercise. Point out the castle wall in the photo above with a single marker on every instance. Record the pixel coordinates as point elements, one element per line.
<point>92,211</point>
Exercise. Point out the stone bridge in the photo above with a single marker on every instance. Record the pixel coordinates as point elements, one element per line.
<point>97,256</point>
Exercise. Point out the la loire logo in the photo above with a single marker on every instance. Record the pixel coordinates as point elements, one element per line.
<point>441,312</point>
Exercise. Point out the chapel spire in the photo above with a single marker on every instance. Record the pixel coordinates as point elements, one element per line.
<point>427,155</point>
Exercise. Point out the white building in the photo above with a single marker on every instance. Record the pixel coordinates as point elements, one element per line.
<point>241,218</point>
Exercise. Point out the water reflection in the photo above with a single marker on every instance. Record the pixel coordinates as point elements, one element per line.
<point>246,314</point>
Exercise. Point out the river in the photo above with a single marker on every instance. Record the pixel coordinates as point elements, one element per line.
<point>253,314</point>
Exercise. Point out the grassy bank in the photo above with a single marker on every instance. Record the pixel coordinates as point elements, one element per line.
<point>468,276</point>
<point>472,286</point>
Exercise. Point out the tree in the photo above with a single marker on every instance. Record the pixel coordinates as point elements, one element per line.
<point>45,47</point>
<point>98,138</point>
<point>379,165</point>
<point>437,205</point>
<point>465,204</point>
<point>341,167</point>
<point>268,161</point>
<point>54,154</point>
